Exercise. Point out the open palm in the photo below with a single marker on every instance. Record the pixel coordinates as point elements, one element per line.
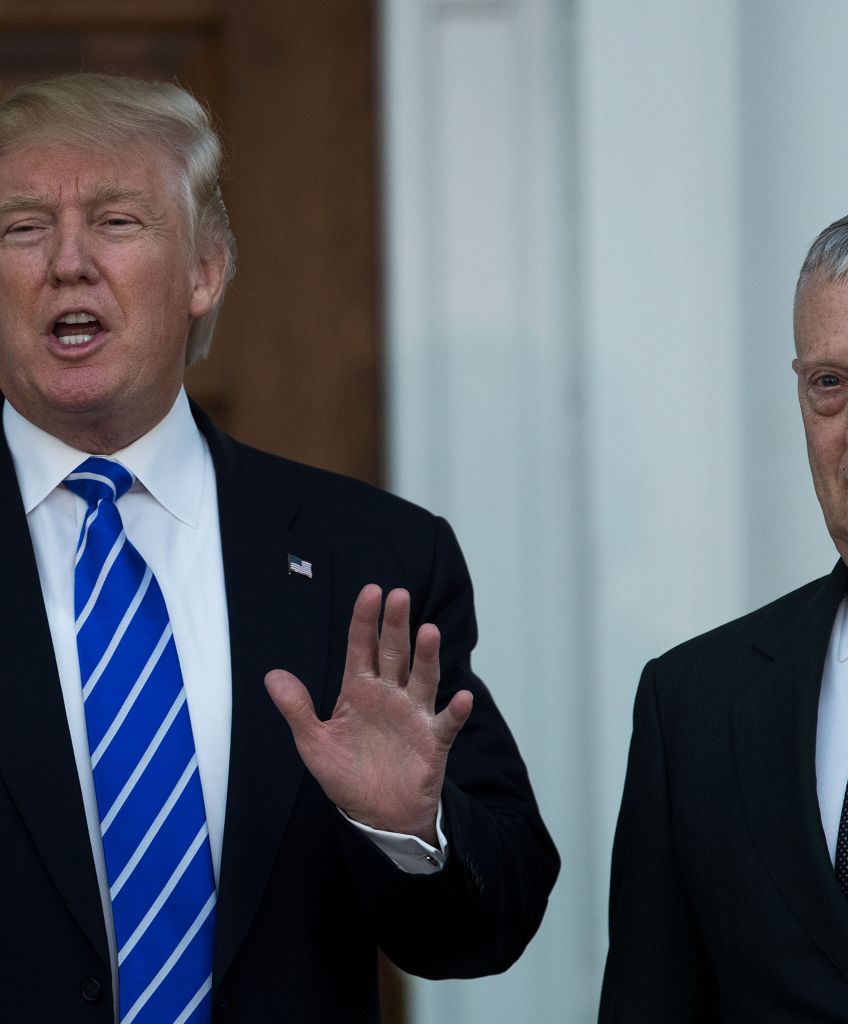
<point>381,756</point>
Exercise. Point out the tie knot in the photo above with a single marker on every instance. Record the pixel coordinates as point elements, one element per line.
<point>99,479</point>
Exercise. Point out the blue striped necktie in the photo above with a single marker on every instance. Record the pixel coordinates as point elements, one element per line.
<point>152,817</point>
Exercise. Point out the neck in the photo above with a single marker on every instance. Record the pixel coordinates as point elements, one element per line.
<point>94,433</point>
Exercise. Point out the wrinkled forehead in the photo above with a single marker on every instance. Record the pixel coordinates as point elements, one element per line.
<point>49,175</point>
<point>821,314</point>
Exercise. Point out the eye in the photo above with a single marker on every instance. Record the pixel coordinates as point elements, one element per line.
<point>22,228</point>
<point>22,232</point>
<point>827,380</point>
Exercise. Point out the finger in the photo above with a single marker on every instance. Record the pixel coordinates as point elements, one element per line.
<point>295,705</point>
<point>361,658</point>
<point>424,677</point>
<point>450,720</point>
<point>393,650</point>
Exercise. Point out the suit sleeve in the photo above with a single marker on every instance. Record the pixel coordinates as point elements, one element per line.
<point>657,970</point>
<point>477,915</point>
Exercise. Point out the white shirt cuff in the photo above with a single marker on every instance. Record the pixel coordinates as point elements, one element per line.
<point>409,853</point>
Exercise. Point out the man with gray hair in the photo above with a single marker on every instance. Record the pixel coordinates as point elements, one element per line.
<point>179,843</point>
<point>729,895</point>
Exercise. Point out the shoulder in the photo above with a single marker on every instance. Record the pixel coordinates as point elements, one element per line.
<point>310,483</point>
<point>349,514</point>
<point>727,657</point>
<point>770,626</point>
<point>366,534</point>
<point>325,493</point>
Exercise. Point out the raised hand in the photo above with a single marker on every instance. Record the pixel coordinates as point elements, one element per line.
<point>381,756</point>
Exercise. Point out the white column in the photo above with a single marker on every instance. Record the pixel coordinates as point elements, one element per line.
<point>484,403</point>
<point>661,348</point>
<point>595,210</point>
<point>794,152</point>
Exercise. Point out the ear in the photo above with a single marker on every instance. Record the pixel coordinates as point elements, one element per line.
<point>208,285</point>
<point>795,366</point>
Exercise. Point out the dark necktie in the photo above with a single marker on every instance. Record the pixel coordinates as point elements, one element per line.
<point>149,799</point>
<point>841,859</point>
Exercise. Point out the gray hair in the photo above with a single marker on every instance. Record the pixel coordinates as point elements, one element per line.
<point>113,113</point>
<point>827,258</point>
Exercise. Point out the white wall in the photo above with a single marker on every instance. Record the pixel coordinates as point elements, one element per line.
<point>794,153</point>
<point>584,379</point>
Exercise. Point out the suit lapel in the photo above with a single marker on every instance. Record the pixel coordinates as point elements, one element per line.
<point>775,743</point>
<point>277,619</point>
<point>36,756</point>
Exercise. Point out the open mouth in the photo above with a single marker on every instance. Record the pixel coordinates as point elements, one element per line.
<point>76,328</point>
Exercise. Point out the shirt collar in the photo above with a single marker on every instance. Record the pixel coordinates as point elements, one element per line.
<point>167,461</point>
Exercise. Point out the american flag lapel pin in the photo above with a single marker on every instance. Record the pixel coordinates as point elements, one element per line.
<point>299,566</point>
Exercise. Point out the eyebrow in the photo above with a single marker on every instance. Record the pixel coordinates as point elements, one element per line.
<point>103,193</point>
<point>23,202</point>
<point>107,193</point>
<point>822,365</point>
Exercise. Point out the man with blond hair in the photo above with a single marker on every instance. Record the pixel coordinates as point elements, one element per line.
<point>178,842</point>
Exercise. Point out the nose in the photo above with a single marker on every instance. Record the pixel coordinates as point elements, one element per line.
<point>71,259</point>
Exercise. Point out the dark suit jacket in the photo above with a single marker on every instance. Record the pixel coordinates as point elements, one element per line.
<point>303,899</point>
<point>724,905</point>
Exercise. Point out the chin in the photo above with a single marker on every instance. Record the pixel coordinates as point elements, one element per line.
<point>81,390</point>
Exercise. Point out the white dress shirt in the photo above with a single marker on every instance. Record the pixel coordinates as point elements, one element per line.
<point>832,732</point>
<point>170,514</point>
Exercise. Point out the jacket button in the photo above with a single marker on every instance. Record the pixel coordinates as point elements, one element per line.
<point>91,990</point>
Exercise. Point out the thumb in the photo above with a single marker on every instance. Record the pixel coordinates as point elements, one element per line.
<point>293,702</point>
<point>449,721</point>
